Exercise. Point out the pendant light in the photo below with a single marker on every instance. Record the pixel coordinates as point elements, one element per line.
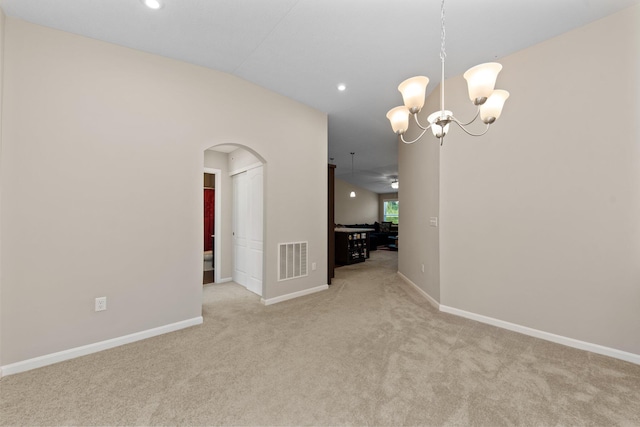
<point>353,193</point>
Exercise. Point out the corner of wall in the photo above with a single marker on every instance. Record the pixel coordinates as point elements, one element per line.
<point>419,196</point>
<point>2,28</point>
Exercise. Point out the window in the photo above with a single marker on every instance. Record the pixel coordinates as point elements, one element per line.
<point>391,209</point>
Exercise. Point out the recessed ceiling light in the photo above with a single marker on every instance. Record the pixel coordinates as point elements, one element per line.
<point>152,4</point>
<point>342,87</point>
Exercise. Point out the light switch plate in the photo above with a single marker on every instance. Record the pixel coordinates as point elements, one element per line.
<point>101,303</point>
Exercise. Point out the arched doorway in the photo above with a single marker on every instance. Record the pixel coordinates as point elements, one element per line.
<point>239,206</point>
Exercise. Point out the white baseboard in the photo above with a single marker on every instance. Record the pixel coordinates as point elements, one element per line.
<point>582,345</point>
<point>559,339</point>
<point>294,295</point>
<point>225,280</point>
<point>422,292</point>
<point>50,359</point>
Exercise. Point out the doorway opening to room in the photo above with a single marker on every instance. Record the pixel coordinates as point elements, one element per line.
<point>390,217</point>
<point>237,201</point>
<point>209,215</point>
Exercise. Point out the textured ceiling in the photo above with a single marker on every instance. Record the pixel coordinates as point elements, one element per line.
<point>304,48</point>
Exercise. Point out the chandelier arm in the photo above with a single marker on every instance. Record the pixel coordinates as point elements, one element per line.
<point>419,136</point>
<point>415,117</point>
<point>462,126</point>
<point>468,123</point>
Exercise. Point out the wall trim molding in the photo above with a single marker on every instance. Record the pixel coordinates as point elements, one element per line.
<point>293,295</point>
<point>421,291</point>
<point>548,336</point>
<point>72,353</point>
<point>536,333</point>
<point>225,280</point>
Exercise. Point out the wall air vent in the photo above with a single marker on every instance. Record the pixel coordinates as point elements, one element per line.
<point>292,260</point>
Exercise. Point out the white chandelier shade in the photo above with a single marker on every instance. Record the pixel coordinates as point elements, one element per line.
<point>492,108</point>
<point>413,92</point>
<point>481,82</point>
<point>399,118</point>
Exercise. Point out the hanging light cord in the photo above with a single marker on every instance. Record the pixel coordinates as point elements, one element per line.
<point>443,55</point>
<point>352,164</point>
<point>443,52</point>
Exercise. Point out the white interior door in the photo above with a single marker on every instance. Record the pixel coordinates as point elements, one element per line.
<point>239,233</point>
<point>247,229</point>
<point>254,232</point>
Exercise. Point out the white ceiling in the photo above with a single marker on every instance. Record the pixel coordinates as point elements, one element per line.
<point>304,48</point>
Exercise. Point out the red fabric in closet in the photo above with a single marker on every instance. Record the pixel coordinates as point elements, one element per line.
<point>209,216</point>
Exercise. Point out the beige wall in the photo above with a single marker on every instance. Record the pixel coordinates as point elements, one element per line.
<point>362,209</point>
<point>539,218</point>
<point>2,24</point>
<point>75,107</point>
<point>419,196</point>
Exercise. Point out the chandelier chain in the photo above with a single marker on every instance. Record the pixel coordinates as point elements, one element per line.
<point>443,52</point>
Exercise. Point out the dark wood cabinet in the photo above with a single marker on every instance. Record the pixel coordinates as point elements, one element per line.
<point>331,235</point>
<point>351,246</point>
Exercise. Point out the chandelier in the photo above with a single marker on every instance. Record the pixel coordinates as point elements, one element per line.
<point>481,81</point>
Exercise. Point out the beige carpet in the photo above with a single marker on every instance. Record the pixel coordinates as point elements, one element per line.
<point>369,351</point>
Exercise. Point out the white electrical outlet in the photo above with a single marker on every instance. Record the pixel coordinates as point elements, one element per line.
<point>423,268</point>
<point>101,303</point>
<point>314,266</point>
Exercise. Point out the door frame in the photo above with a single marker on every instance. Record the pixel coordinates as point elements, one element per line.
<point>216,223</point>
